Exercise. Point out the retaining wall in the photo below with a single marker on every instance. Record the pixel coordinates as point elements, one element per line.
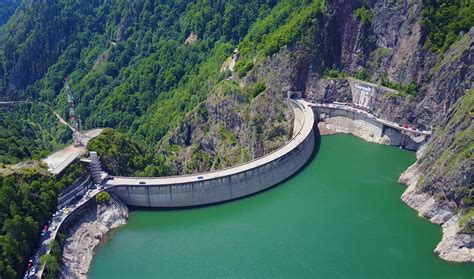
<point>366,127</point>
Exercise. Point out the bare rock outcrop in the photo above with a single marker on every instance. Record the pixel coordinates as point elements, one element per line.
<point>86,233</point>
<point>456,245</point>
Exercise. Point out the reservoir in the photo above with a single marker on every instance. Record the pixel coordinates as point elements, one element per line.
<point>339,217</point>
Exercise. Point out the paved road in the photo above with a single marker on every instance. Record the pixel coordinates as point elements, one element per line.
<point>50,235</point>
<point>380,120</point>
<point>304,117</point>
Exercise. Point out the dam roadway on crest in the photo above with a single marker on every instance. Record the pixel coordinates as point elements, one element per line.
<point>226,184</point>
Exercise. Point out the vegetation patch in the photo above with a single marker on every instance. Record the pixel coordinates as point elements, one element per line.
<point>364,15</point>
<point>377,56</point>
<point>334,73</point>
<point>52,261</point>
<point>255,89</point>
<point>123,156</point>
<point>444,20</point>
<point>103,197</point>
<point>362,75</point>
<point>410,89</point>
<point>465,221</point>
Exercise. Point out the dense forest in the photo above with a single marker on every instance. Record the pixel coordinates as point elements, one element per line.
<point>444,20</point>
<point>27,202</point>
<point>22,137</point>
<point>132,69</point>
<point>129,66</point>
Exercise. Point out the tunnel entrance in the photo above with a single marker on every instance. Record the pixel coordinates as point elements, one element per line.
<point>294,95</point>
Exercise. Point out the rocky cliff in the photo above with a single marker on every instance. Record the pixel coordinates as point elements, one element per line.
<point>85,235</point>
<point>390,48</point>
<point>440,183</point>
<point>234,125</point>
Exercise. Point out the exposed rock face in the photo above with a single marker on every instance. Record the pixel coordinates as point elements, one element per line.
<point>229,128</point>
<point>357,128</point>
<point>86,234</point>
<point>440,183</point>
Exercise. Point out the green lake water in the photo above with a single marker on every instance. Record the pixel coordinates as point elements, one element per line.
<point>340,217</point>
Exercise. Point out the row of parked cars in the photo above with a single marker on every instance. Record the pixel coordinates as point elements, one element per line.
<point>30,266</point>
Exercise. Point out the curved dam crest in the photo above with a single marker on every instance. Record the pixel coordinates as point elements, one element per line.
<point>227,184</point>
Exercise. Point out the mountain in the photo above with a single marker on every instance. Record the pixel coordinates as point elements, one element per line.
<point>159,73</point>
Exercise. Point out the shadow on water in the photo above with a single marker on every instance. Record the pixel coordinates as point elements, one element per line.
<point>317,145</point>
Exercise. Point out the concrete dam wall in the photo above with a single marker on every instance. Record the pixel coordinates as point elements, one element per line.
<point>352,122</point>
<point>226,184</point>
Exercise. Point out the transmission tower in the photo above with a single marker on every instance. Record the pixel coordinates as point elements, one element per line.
<point>73,120</point>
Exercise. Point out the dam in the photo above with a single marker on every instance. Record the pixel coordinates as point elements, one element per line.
<point>227,184</point>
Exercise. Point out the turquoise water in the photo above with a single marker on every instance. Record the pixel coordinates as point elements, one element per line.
<point>340,217</point>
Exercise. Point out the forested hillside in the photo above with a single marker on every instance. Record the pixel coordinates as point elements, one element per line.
<point>27,201</point>
<point>131,69</point>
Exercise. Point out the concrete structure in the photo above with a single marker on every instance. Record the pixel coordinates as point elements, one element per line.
<point>96,168</point>
<point>59,160</point>
<point>75,191</point>
<point>380,130</point>
<point>226,184</point>
<point>367,94</point>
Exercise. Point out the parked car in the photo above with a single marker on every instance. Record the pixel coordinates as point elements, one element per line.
<point>142,182</point>
<point>200,177</point>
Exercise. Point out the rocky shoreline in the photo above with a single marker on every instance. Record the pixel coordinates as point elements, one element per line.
<point>455,246</point>
<point>87,233</point>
